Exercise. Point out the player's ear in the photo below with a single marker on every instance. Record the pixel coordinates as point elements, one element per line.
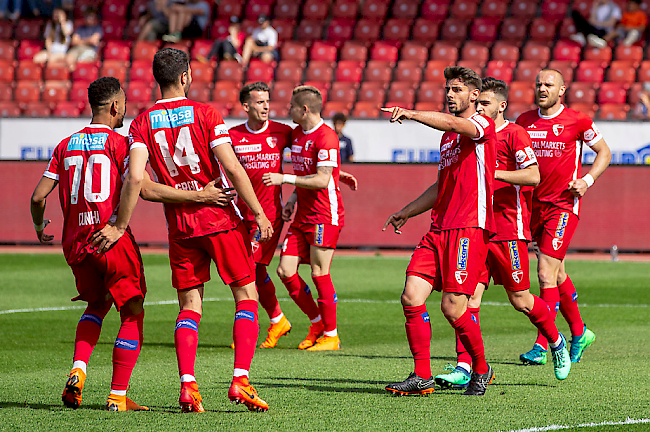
<point>562,90</point>
<point>503,106</point>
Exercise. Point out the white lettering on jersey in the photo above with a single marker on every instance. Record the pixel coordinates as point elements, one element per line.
<point>252,148</point>
<point>296,148</point>
<point>537,134</point>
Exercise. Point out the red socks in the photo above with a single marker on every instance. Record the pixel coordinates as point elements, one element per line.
<point>541,317</point>
<point>569,307</point>
<point>186,340</point>
<point>326,301</point>
<point>461,353</point>
<point>88,331</point>
<point>469,333</point>
<point>300,293</point>
<point>246,329</point>
<point>126,351</point>
<point>266,291</point>
<point>552,298</point>
<point>418,333</point>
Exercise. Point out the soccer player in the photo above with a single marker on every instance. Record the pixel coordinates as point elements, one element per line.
<point>315,231</point>
<point>507,261</point>
<point>557,134</point>
<point>187,144</point>
<point>89,166</point>
<point>451,256</point>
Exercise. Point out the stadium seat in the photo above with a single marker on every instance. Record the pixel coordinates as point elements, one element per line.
<point>425,30</point>
<point>401,92</point>
<point>349,71</point>
<point>259,71</point>
<point>367,30</point>
<point>117,50</point>
<point>138,91</point>
<point>279,110</point>
<point>463,9</point>
<point>505,51</point>
<point>79,92</point>
<point>226,92</point>
<point>282,91</point>
<point>228,8</point>
<point>390,104</point>
<point>535,51</point>
<point>27,49</point>
<point>7,50</point>
<point>6,91</point>
<point>603,55</point>
<point>288,70</point>
<point>434,71</point>
<point>56,72</point>
<point>345,9</point>
<point>200,91</point>
<point>430,106</point>
<point>9,109</point>
<point>375,9</point>
<point>484,29</point>
<point>644,71</point>
<point>295,51</point>
<point>444,51</point>
<point>567,28</point>
<point>612,92</point>
<point>29,29</point>
<point>323,51</point>
<point>383,51</point>
<point>27,91</point>
<point>499,69</point>
<point>248,25</point>
<point>582,6</point>
<point>309,30</point>
<point>554,9</point>
<point>521,93</point>
<point>589,71</point>
<point>397,30</point>
<point>145,51</point>
<point>366,110</point>
<point>567,51</point>
<point>316,10</point>
<point>379,71</point>
<point>408,71</point>
<point>55,91</point>
<point>431,92</point>
<point>454,29</point>
<point>6,71</point>
<point>80,7</point>
<point>138,8</point>
<point>435,9</point>
<point>515,110</point>
<point>255,8</point>
<point>473,65</point>
<point>285,28</point>
<point>286,9</point>
<point>342,92</point>
<point>621,71</point>
<point>113,30</point>
<point>414,51</point>
<point>115,68</point>
<point>27,70</point>
<point>632,54</point>
<point>133,29</point>
<point>340,30</point>
<point>236,112</point>
<point>134,109</point>
<point>634,94</point>
<point>565,68</point>
<point>513,30</point>
<point>371,92</point>
<point>407,9</point>
<point>202,72</point>
<point>219,29</point>
<point>67,109</point>
<point>542,30</point>
<point>581,92</point>
<point>523,8</point>
<point>613,112</point>
<point>183,45</point>
<point>36,110</point>
<point>319,71</point>
<point>6,29</point>
<point>475,51</point>
<point>230,71</point>
<point>331,108</point>
<point>322,86</point>
<point>141,71</point>
<point>200,48</point>
<point>352,50</point>
<point>494,9</point>
<point>527,70</point>
<point>586,108</point>
<point>114,11</point>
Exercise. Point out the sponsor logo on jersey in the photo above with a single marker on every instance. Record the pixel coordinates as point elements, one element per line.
<point>537,134</point>
<point>558,129</point>
<point>126,344</point>
<point>520,155</point>
<point>308,144</point>
<point>319,234</point>
<point>589,135</point>
<point>245,315</point>
<point>171,118</point>
<point>296,149</point>
<point>243,139</point>
<point>322,154</point>
<point>463,253</point>
<point>87,142</point>
<point>561,225</point>
<point>425,316</point>
<point>250,148</point>
<point>514,255</point>
<point>517,276</point>
<point>221,129</point>
<point>272,141</point>
<point>90,317</point>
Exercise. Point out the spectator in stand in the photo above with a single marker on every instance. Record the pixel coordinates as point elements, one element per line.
<point>642,109</point>
<point>345,143</point>
<point>155,22</point>
<point>187,20</point>
<point>4,9</point>
<point>262,43</point>
<point>58,33</point>
<point>605,14</point>
<point>229,48</point>
<point>85,40</point>
<point>631,26</point>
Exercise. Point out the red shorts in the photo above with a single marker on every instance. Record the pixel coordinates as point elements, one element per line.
<point>230,250</point>
<point>119,271</point>
<point>552,229</point>
<point>263,252</point>
<point>451,260</point>
<point>507,263</point>
<point>300,237</point>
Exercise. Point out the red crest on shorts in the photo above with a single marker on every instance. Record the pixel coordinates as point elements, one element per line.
<point>255,246</point>
<point>517,276</point>
<point>461,276</point>
<point>557,243</point>
<point>558,129</point>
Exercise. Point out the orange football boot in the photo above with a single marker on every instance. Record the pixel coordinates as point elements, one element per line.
<point>275,332</point>
<point>190,398</point>
<point>326,343</point>
<point>71,396</point>
<point>315,331</point>
<point>123,403</point>
<point>242,392</point>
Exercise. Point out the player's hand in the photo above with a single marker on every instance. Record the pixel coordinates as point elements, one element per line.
<point>348,179</point>
<point>272,179</point>
<point>287,210</point>
<point>398,114</point>
<point>211,194</point>
<point>105,238</point>
<point>397,220</point>
<point>264,226</point>
<point>42,237</point>
<point>578,187</point>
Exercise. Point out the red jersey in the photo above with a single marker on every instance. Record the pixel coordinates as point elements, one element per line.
<point>557,141</point>
<point>465,179</point>
<point>512,202</point>
<point>260,152</point>
<point>89,166</point>
<point>179,135</point>
<point>309,150</point>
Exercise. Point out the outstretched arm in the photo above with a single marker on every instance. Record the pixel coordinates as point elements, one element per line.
<point>437,120</point>
<point>43,189</point>
<point>423,203</point>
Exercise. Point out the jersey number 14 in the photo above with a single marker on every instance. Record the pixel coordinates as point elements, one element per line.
<point>183,145</point>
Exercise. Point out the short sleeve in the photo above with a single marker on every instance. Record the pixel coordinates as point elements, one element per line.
<point>218,132</point>
<point>273,37</point>
<point>327,150</point>
<point>524,154</point>
<point>588,132</point>
<point>135,138</point>
<point>52,170</point>
<point>482,125</point>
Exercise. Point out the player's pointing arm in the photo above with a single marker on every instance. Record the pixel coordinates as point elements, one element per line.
<point>437,120</point>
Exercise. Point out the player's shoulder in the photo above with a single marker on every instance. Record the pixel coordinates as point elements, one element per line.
<point>576,115</point>
<point>277,127</point>
<point>240,128</point>
<point>327,131</point>
<point>527,117</point>
<point>514,128</point>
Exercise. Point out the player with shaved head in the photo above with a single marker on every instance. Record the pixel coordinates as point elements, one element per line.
<point>557,134</point>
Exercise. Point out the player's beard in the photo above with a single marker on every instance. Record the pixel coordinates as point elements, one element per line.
<point>547,103</point>
<point>186,89</point>
<point>460,107</point>
<point>120,120</point>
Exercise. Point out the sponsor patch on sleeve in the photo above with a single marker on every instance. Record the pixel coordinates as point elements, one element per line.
<point>220,130</point>
<point>481,120</point>
<point>520,155</point>
<point>323,154</point>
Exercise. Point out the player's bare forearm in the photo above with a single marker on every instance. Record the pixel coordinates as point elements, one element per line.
<point>528,176</point>
<point>320,180</point>
<point>436,120</point>
<point>423,203</point>
<point>210,194</point>
<point>244,189</point>
<point>602,159</point>
<point>42,190</point>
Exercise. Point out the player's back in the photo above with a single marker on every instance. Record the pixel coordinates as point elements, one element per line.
<point>179,135</point>
<point>89,166</point>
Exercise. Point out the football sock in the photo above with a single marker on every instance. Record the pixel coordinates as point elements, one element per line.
<point>552,298</point>
<point>418,333</point>
<point>326,302</point>
<point>301,295</point>
<point>88,331</point>
<point>126,351</point>
<point>540,316</point>
<point>186,341</point>
<point>461,353</point>
<point>246,329</point>
<point>569,307</point>
<point>276,319</point>
<point>470,335</point>
<point>266,291</point>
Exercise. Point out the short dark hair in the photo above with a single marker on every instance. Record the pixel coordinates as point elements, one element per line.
<point>496,86</point>
<point>168,66</point>
<point>245,93</point>
<point>339,117</point>
<point>102,90</point>
<point>466,75</point>
<point>309,96</point>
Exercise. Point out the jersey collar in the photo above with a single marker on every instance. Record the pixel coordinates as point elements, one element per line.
<point>264,128</point>
<point>320,123</point>
<point>171,99</point>
<point>502,127</point>
<point>98,126</point>
<point>539,113</point>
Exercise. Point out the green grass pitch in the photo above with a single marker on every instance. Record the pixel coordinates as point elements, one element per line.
<point>341,390</point>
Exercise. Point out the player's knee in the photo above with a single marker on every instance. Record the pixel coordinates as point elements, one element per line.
<point>284,272</point>
<point>134,306</point>
<point>317,272</point>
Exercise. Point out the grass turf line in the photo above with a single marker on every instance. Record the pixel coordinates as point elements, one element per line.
<point>323,391</point>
